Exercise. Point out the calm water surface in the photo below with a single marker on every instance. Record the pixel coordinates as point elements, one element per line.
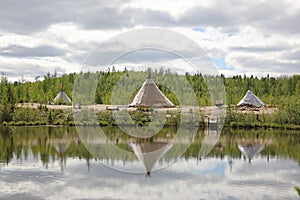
<point>52,163</point>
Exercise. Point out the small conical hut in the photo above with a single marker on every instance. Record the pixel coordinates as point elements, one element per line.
<point>150,96</point>
<point>62,96</point>
<point>150,153</point>
<point>251,100</point>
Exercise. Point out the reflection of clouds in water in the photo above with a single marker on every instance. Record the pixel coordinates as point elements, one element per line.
<point>175,182</point>
<point>208,167</point>
<point>27,184</point>
<point>23,196</point>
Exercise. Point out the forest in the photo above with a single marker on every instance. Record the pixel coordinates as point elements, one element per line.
<point>280,92</point>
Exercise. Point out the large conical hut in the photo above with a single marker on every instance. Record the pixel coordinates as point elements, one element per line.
<point>150,153</point>
<point>62,96</point>
<point>150,96</point>
<point>251,100</point>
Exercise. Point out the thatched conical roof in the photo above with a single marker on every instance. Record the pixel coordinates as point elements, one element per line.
<point>250,99</point>
<point>62,95</point>
<point>150,96</point>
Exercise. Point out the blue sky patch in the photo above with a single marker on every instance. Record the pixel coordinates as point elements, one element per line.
<point>221,64</point>
<point>199,29</point>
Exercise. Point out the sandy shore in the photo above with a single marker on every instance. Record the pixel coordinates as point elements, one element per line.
<point>207,110</point>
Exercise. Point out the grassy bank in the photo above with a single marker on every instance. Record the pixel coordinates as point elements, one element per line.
<point>285,117</point>
<point>42,115</point>
<point>25,116</point>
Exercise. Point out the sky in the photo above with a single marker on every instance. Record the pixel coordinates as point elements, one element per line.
<point>242,37</point>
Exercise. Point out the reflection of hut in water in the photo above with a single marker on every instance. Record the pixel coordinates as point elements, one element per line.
<point>150,96</point>
<point>61,148</point>
<point>150,153</point>
<point>219,147</point>
<point>212,135</point>
<point>249,150</point>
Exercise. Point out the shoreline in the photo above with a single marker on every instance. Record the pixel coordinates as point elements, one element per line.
<point>286,128</point>
<point>105,118</point>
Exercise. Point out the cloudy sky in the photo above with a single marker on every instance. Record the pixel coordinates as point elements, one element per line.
<point>242,37</point>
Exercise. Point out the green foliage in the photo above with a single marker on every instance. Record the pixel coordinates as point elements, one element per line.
<point>273,91</point>
<point>7,100</point>
<point>282,92</point>
<point>289,112</point>
<point>298,190</point>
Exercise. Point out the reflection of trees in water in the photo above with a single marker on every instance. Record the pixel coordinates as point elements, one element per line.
<point>6,146</point>
<point>47,144</point>
<point>277,143</point>
<point>57,144</point>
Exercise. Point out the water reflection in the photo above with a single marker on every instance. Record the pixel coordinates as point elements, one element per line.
<point>47,144</point>
<point>50,144</point>
<point>149,153</point>
<point>250,149</point>
<point>111,144</point>
<point>212,135</point>
<point>31,166</point>
<point>61,146</point>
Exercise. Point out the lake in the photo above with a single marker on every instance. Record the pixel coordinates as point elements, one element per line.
<point>54,163</point>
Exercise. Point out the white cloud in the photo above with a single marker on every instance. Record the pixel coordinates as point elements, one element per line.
<point>28,68</point>
<point>248,35</point>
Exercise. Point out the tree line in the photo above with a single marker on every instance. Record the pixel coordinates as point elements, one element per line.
<point>283,92</point>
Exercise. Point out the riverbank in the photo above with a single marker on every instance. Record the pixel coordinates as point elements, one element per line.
<point>40,115</point>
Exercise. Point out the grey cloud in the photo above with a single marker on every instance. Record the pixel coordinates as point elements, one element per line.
<point>262,12</point>
<point>285,24</point>
<point>102,18</point>
<point>269,16</point>
<point>145,56</point>
<point>142,56</point>
<point>199,16</point>
<point>149,17</point>
<point>29,70</point>
<point>26,17</point>
<point>40,51</point>
<point>31,16</point>
<point>259,49</point>
<point>294,55</point>
<point>148,45</point>
<point>99,17</point>
<point>251,64</point>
